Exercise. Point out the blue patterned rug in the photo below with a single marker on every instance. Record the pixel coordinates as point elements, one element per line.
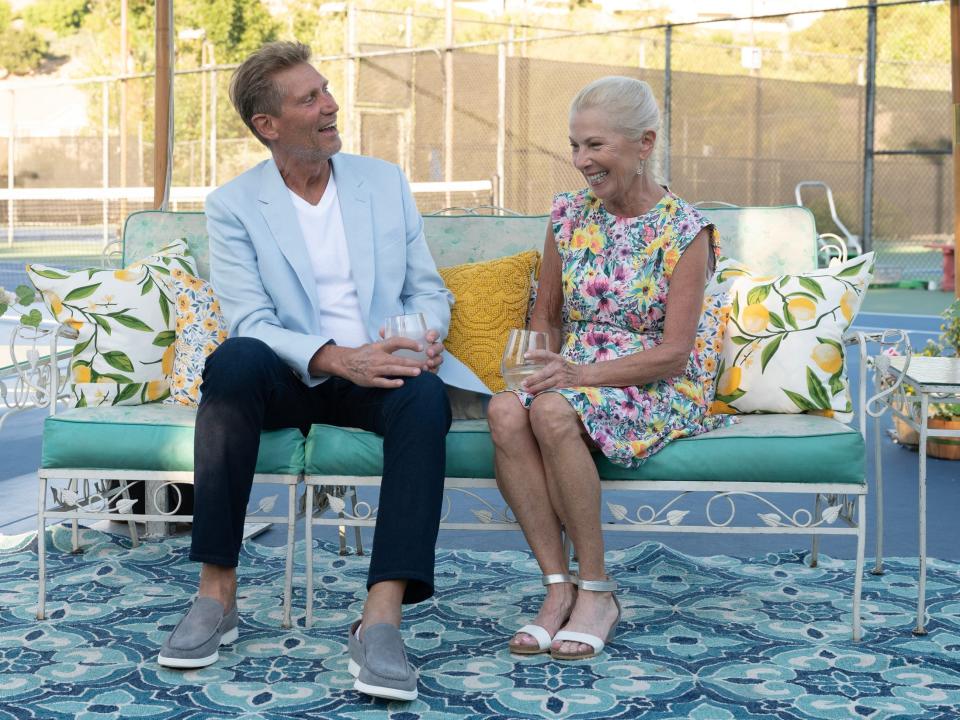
<point>703,638</point>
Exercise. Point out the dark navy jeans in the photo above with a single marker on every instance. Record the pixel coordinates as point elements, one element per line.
<point>248,388</point>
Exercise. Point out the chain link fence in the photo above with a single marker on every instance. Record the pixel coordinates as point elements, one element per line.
<point>751,109</point>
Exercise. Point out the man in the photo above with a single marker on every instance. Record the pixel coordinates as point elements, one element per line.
<point>309,252</point>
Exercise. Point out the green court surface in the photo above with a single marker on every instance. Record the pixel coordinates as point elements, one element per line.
<point>895,301</point>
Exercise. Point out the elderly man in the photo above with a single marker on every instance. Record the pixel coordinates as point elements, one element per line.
<point>310,251</point>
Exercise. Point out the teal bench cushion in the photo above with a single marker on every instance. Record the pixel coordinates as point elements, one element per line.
<point>761,448</point>
<point>148,437</point>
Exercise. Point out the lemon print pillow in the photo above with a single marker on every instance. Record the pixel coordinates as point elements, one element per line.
<point>783,346</point>
<point>124,321</point>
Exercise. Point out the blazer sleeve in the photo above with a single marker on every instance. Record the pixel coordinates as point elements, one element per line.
<point>423,288</point>
<point>247,307</point>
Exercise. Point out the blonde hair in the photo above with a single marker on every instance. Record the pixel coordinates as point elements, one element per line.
<point>253,89</point>
<point>631,107</point>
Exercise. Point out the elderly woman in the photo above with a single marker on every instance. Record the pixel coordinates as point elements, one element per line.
<point>622,283</point>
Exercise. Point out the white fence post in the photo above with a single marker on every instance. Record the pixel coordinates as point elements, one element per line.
<point>501,123</point>
<point>448,109</point>
<point>353,119</point>
<point>213,118</point>
<point>11,149</point>
<point>105,159</point>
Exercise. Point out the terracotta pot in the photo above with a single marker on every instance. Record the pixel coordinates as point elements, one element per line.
<point>906,435</point>
<point>944,448</point>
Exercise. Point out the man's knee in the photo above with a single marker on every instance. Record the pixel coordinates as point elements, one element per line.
<point>422,399</point>
<point>238,362</point>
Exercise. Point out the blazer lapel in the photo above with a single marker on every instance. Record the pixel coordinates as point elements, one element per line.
<point>355,209</point>
<point>277,209</point>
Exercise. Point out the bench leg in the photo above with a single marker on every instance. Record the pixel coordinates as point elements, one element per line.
<point>132,524</point>
<point>356,528</point>
<point>288,569</point>
<point>878,489</point>
<point>308,554</point>
<point>858,577</point>
<point>74,527</point>
<point>342,536</point>
<point>41,550</point>
<point>815,547</point>
<point>157,503</point>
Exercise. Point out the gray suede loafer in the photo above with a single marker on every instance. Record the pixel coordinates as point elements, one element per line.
<point>195,640</point>
<point>379,663</point>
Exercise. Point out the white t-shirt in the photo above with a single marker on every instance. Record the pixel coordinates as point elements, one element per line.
<point>322,228</point>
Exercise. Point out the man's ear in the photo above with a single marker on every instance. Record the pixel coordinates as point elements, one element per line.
<point>265,126</point>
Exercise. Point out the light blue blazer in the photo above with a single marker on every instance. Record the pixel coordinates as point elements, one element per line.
<point>261,272</point>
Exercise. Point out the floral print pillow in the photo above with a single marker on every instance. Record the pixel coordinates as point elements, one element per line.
<point>124,320</point>
<point>783,348</point>
<point>200,328</point>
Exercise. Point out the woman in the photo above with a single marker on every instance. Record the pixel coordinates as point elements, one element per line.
<point>622,376</point>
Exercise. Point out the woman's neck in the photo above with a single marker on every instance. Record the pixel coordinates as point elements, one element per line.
<point>640,198</point>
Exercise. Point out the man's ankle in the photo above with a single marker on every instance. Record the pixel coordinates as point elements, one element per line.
<point>384,602</point>
<point>220,584</point>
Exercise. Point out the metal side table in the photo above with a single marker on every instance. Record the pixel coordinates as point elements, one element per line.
<point>932,379</point>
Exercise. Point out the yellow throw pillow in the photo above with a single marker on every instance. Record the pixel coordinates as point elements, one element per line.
<point>491,298</point>
<point>783,347</point>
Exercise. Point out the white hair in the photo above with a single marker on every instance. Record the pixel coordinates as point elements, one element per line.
<point>630,106</point>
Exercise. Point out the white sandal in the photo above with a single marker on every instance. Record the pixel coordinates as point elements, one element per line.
<point>596,644</point>
<point>535,631</point>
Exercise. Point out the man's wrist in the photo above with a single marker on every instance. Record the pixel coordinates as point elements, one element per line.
<point>327,360</point>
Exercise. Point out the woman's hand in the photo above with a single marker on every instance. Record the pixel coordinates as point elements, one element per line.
<point>558,372</point>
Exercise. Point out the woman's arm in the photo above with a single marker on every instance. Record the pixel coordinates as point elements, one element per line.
<point>666,360</point>
<point>547,315</point>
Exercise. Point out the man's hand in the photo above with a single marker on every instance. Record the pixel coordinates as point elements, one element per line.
<point>370,365</point>
<point>557,372</point>
<point>434,351</point>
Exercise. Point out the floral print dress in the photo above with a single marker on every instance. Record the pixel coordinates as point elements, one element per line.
<point>615,274</point>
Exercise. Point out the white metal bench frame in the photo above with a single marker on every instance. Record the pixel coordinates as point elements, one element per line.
<point>83,494</point>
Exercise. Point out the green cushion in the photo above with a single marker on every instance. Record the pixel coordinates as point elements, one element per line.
<point>148,437</point>
<point>761,448</point>
<point>347,451</point>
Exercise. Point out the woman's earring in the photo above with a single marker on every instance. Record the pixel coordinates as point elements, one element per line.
<point>641,167</point>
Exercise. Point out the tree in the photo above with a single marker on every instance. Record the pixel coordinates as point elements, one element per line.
<point>63,17</point>
<point>21,51</point>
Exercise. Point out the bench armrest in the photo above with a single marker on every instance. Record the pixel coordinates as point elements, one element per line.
<point>889,342</point>
<point>831,245</point>
<point>38,382</point>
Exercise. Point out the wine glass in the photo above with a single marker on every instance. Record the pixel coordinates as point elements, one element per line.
<point>514,367</point>
<point>412,326</point>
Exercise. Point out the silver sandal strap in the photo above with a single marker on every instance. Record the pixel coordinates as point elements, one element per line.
<point>558,578</point>
<point>607,585</point>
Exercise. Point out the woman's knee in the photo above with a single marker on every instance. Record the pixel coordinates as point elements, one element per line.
<point>554,420</point>
<point>508,419</point>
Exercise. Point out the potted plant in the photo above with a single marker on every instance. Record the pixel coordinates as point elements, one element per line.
<point>942,415</point>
